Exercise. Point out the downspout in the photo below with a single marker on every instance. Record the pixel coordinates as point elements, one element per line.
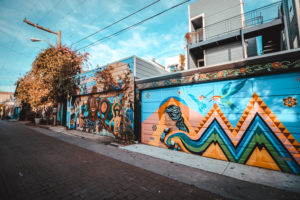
<point>286,23</point>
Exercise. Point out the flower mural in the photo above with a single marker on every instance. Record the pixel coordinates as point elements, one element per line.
<point>290,102</point>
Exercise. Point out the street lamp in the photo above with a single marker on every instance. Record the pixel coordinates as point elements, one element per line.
<point>47,30</point>
<point>35,40</point>
<point>38,40</point>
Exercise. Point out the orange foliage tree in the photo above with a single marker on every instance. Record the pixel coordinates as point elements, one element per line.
<point>50,79</point>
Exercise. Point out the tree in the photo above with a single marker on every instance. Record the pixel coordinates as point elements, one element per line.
<point>50,79</point>
<point>181,59</point>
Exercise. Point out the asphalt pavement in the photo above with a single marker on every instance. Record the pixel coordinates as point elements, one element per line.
<point>66,167</point>
<point>36,166</point>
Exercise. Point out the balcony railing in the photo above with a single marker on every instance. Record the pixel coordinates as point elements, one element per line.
<point>255,17</point>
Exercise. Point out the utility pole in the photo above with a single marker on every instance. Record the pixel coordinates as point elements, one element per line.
<point>47,30</point>
<point>58,46</point>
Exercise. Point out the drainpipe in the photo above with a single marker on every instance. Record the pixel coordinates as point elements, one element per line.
<point>188,56</point>
<point>286,23</point>
<point>243,42</point>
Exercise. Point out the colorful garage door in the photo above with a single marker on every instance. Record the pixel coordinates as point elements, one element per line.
<point>252,121</point>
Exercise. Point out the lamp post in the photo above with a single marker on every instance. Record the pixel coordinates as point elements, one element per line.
<point>44,29</point>
<point>58,45</point>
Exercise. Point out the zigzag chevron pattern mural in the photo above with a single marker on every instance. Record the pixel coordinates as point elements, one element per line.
<point>249,121</point>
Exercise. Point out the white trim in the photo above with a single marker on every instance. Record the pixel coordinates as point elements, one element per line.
<point>242,13</point>
<point>189,13</point>
<point>204,57</point>
<point>134,65</point>
<point>297,8</point>
<point>196,17</point>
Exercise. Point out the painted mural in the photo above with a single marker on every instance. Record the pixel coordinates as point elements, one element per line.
<point>105,101</point>
<point>252,121</point>
<point>237,72</point>
<point>9,110</point>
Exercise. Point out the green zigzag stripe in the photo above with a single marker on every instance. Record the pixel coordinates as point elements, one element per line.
<point>263,141</point>
<point>257,139</point>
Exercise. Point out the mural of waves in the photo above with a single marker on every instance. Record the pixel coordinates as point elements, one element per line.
<point>258,137</point>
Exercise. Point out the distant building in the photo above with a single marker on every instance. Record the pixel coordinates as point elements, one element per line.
<point>173,64</point>
<point>220,31</point>
<point>9,107</point>
<point>6,96</point>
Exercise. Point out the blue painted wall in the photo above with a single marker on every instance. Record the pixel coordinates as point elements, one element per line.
<point>105,100</point>
<point>254,121</point>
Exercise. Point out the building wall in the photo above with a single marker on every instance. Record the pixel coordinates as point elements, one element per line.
<point>216,14</point>
<point>9,110</point>
<point>293,17</point>
<point>6,96</point>
<point>297,8</point>
<point>105,100</point>
<point>224,53</point>
<point>145,69</point>
<point>253,121</point>
<point>217,11</point>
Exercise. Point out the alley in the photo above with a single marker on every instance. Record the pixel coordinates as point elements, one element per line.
<point>36,166</point>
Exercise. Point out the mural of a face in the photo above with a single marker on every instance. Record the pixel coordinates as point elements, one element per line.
<point>108,112</point>
<point>175,114</point>
<point>117,110</point>
<point>93,108</point>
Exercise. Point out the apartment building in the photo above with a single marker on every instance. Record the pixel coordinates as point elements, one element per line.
<point>220,31</point>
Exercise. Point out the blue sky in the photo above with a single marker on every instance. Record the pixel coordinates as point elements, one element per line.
<point>158,38</point>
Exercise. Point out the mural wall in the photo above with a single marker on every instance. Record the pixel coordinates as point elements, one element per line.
<point>105,101</point>
<point>9,110</point>
<point>252,121</point>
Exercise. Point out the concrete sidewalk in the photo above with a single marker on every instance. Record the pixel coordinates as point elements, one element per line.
<point>106,139</point>
<point>230,180</point>
<point>247,173</point>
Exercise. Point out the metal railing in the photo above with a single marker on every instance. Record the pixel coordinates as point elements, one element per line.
<point>255,17</point>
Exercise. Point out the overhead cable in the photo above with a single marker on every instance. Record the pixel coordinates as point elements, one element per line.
<point>71,11</point>
<point>132,26</point>
<point>57,3</point>
<point>117,21</point>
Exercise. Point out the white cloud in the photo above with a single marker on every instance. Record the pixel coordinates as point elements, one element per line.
<point>141,43</point>
<point>154,39</point>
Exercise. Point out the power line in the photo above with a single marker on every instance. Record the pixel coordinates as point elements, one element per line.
<point>33,5</point>
<point>132,26</point>
<point>117,21</point>
<point>71,11</point>
<point>58,2</point>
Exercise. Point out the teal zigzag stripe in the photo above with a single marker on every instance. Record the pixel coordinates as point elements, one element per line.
<point>257,134</point>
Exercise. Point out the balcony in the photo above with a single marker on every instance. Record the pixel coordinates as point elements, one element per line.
<point>248,20</point>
